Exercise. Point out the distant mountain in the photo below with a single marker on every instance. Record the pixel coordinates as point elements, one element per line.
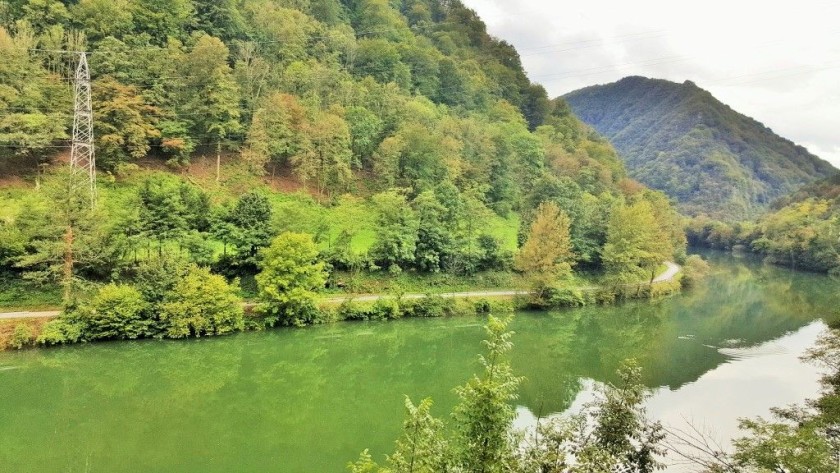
<point>679,139</point>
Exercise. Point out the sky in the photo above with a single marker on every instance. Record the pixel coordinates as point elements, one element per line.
<point>777,62</point>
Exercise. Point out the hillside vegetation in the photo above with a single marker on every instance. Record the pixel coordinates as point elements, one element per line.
<point>413,140</point>
<point>679,139</point>
<point>802,230</point>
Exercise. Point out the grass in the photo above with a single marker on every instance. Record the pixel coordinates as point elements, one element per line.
<point>19,294</point>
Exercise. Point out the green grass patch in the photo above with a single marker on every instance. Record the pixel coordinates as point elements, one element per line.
<point>19,294</point>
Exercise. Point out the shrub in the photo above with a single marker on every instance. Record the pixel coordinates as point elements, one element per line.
<point>116,312</point>
<point>201,303</point>
<point>349,310</point>
<point>429,306</point>
<point>566,297</point>
<point>21,337</point>
<point>59,331</point>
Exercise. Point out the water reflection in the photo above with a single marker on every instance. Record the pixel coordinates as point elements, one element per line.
<point>312,399</point>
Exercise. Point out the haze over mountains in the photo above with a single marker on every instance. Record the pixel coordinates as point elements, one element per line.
<point>680,139</point>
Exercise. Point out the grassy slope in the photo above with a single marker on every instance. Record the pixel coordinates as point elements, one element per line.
<point>294,210</point>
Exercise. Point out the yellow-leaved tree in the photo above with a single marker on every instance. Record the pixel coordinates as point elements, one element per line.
<point>547,256</point>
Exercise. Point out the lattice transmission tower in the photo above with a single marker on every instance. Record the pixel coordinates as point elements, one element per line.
<point>82,159</point>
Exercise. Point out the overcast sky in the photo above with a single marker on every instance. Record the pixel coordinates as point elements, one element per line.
<point>778,62</point>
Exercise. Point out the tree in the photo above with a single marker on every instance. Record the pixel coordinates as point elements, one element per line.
<point>483,442</point>
<point>421,448</point>
<point>279,130</point>
<point>124,124</point>
<point>116,312</point>
<point>251,221</point>
<point>613,433</point>
<point>67,241</point>
<point>31,99</point>
<point>547,254</point>
<point>200,304</point>
<point>396,240</point>
<point>365,128</point>
<point>328,161</point>
<point>212,98</point>
<point>161,211</point>
<point>434,241</point>
<point>290,275</point>
<point>635,245</point>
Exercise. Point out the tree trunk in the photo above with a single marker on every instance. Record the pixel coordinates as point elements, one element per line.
<point>67,277</point>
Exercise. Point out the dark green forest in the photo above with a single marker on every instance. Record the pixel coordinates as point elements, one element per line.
<point>681,140</point>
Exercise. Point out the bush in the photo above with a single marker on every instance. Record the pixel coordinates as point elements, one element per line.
<point>201,303</point>
<point>290,276</point>
<point>429,306</point>
<point>21,337</point>
<point>116,312</point>
<point>566,297</point>
<point>64,329</point>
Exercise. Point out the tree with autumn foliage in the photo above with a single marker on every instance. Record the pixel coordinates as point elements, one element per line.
<point>124,123</point>
<point>547,255</point>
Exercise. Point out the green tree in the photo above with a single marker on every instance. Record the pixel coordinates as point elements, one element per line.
<point>396,239</point>
<point>162,211</point>
<point>483,442</point>
<point>201,303</point>
<point>116,312</point>
<point>289,278</point>
<point>434,240</point>
<point>251,231</point>
<point>635,245</point>
<point>365,129</point>
<point>421,447</point>
<point>212,94</point>
<point>328,161</point>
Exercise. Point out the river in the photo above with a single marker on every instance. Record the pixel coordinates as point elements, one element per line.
<point>309,400</point>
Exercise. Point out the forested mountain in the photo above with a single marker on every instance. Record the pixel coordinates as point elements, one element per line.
<point>411,132</point>
<point>414,95</point>
<point>679,139</point>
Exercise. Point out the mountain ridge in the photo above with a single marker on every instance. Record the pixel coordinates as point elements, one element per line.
<point>679,138</point>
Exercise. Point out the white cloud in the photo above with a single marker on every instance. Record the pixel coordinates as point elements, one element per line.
<point>776,62</point>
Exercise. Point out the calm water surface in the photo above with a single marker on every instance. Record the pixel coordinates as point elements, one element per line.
<point>310,400</point>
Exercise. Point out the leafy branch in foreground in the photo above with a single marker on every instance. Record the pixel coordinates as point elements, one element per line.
<point>613,433</point>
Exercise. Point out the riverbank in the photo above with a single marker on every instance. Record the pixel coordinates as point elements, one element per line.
<point>23,328</point>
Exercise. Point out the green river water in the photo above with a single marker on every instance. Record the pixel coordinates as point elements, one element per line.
<point>309,400</point>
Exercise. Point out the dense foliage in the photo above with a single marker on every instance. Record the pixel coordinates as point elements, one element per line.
<point>802,231</point>
<point>679,139</point>
<point>406,120</point>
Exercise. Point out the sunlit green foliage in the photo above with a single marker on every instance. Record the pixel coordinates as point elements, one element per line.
<point>290,274</point>
<point>201,303</point>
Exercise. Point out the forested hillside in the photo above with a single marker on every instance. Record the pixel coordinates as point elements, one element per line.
<point>412,140</point>
<point>679,139</point>
<point>802,230</point>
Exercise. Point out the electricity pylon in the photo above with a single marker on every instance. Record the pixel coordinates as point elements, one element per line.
<point>82,161</point>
